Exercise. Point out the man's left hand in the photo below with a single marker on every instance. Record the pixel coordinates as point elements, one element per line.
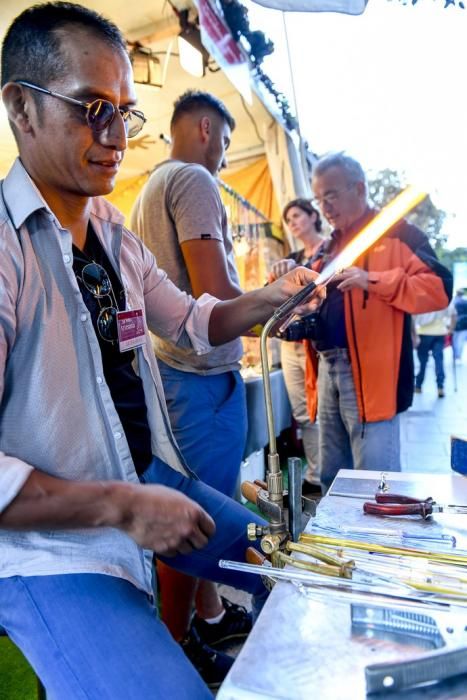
<point>232,317</point>
<point>352,278</point>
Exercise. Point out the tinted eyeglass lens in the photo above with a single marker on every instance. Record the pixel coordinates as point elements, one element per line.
<point>133,123</point>
<point>96,280</point>
<point>107,324</point>
<point>100,114</point>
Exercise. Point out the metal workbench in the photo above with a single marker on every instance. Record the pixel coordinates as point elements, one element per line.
<point>303,649</point>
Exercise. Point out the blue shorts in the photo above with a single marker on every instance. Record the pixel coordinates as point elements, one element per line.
<point>209,420</point>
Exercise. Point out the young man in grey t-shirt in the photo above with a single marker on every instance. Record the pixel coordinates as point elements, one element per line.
<point>181,218</point>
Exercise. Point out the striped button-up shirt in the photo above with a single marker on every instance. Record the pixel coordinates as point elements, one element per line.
<point>56,411</point>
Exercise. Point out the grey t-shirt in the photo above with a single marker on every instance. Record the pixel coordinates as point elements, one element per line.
<point>181,202</point>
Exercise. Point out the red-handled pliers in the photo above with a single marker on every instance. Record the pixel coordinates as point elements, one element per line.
<point>386,505</point>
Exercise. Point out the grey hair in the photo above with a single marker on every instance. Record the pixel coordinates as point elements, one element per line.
<point>351,167</point>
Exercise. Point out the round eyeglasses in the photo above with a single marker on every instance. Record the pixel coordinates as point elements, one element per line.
<point>99,113</point>
<point>97,281</point>
<point>331,197</point>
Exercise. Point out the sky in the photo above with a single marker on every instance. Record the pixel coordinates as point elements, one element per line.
<point>387,86</point>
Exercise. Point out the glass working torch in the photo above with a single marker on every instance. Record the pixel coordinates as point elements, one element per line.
<point>274,474</point>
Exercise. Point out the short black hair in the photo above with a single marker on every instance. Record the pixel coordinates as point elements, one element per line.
<point>306,206</point>
<point>31,47</point>
<point>193,100</point>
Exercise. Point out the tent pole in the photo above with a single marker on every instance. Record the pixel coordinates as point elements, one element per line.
<point>301,145</point>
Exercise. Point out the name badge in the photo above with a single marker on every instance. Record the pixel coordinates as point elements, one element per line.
<point>130,325</point>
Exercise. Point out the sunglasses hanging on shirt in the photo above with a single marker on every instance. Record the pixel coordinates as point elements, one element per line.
<point>97,282</point>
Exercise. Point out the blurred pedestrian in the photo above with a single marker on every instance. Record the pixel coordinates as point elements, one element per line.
<point>432,329</point>
<point>459,336</point>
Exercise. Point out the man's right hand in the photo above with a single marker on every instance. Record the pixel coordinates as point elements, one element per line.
<point>156,517</point>
<point>165,520</point>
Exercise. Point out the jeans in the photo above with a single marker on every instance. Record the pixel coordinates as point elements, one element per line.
<point>458,341</point>
<point>209,421</point>
<point>97,637</point>
<point>435,343</point>
<point>293,369</point>
<point>230,539</point>
<point>344,441</point>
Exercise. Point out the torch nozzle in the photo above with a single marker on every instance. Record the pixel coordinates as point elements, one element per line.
<point>294,301</point>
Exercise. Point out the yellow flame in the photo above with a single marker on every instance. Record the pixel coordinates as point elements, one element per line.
<point>383,221</point>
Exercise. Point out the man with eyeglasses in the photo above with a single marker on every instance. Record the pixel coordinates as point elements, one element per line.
<point>82,413</point>
<point>360,367</point>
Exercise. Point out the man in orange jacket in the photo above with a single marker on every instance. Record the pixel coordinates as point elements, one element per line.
<point>363,348</point>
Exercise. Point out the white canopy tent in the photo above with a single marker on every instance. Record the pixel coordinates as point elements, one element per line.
<point>154,24</point>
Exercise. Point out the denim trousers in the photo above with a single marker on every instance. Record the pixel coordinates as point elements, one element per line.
<point>344,441</point>
<point>435,344</point>
<point>459,338</point>
<point>293,368</point>
<point>97,637</point>
<point>209,420</point>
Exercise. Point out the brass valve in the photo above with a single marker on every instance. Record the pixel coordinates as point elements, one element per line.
<point>271,543</point>
<point>254,531</point>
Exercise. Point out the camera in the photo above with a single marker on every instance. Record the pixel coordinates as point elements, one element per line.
<point>307,328</point>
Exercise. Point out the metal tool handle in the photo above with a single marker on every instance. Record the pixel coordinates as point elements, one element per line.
<point>383,678</point>
<point>397,498</point>
<point>422,508</point>
<point>250,491</point>
<point>254,557</point>
<point>295,497</point>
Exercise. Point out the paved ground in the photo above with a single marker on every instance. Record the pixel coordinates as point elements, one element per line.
<point>427,426</point>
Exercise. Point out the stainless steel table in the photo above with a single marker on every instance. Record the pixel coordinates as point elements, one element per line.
<point>304,649</point>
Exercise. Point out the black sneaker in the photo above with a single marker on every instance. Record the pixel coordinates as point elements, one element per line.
<point>212,666</point>
<point>236,624</point>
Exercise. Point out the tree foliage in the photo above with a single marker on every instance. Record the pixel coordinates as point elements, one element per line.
<point>449,257</point>
<point>386,184</point>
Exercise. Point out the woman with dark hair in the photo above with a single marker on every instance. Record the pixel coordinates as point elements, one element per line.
<point>304,224</point>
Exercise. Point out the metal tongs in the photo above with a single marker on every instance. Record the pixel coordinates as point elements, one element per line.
<point>395,504</point>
